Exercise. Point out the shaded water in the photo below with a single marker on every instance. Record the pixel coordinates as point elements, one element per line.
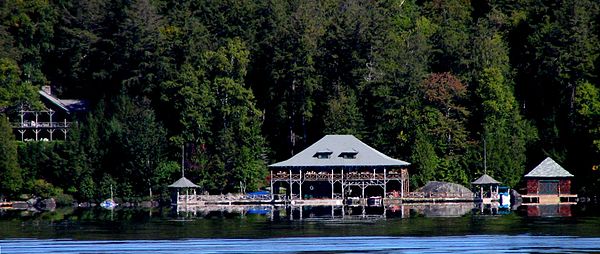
<point>411,229</point>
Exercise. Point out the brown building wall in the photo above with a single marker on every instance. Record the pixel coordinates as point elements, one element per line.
<point>532,186</point>
<point>565,186</point>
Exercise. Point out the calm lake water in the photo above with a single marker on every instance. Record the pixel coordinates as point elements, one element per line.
<point>400,229</point>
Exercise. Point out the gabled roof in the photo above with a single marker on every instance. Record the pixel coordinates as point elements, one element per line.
<point>338,144</point>
<point>68,105</point>
<point>549,168</point>
<point>53,100</point>
<point>485,179</point>
<point>183,183</point>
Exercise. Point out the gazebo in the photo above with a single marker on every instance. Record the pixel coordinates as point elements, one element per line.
<point>184,199</point>
<point>482,184</point>
<point>336,167</point>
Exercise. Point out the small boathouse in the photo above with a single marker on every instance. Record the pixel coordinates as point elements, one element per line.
<point>549,183</point>
<point>181,192</point>
<point>338,167</point>
<point>486,189</point>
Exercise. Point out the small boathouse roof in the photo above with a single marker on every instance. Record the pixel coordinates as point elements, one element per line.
<point>339,150</point>
<point>549,168</point>
<point>485,179</point>
<point>183,183</point>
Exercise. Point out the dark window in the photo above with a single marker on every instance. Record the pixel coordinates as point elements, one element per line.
<point>323,154</point>
<point>548,187</point>
<point>349,154</point>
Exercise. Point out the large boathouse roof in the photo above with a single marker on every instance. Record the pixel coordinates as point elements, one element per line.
<point>339,150</point>
<point>549,168</point>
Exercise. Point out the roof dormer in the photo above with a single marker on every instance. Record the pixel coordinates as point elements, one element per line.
<point>323,154</point>
<point>350,154</point>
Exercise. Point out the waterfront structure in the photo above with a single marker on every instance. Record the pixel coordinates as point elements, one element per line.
<point>57,116</point>
<point>179,198</point>
<point>549,183</point>
<point>338,167</point>
<point>487,189</point>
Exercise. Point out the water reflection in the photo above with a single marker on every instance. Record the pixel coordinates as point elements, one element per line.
<point>551,210</point>
<point>341,213</point>
<point>293,221</point>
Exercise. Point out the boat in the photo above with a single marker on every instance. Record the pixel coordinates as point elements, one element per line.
<point>109,203</point>
<point>504,197</point>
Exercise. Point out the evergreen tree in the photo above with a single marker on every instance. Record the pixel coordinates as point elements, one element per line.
<point>10,173</point>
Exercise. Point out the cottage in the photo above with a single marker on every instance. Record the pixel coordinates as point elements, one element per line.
<point>549,183</point>
<point>57,115</point>
<point>337,167</point>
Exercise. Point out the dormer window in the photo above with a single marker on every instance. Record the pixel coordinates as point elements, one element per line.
<point>326,154</point>
<point>349,154</point>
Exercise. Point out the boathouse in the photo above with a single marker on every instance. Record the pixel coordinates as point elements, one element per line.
<point>549,183</point>
<point>338,167</point>
<point>56,116</point>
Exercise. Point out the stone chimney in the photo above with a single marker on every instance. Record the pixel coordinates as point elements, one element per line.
<point>47,89</point>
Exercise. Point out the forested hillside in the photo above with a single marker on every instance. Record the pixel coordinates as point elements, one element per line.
<point>248,83</point>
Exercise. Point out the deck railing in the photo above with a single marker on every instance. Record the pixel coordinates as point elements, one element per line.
<point>33,125</point>
<point>350,176</point>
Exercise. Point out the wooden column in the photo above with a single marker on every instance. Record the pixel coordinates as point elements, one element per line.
<point>22,135</point>
<point>36,130</point>
<point>22,113</point>
<point>384,183</point>
<point>362,187</point>
<point>291,191</point>
<point>332,182</point>
<point>272,190</point>
<point>50,131</point>
<point>343,187</point>
<point>300,184</point>
<point>401,186</point>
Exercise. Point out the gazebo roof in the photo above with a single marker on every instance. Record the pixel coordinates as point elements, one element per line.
<point>485,179</point>
<point>549,168</point>
<point>339,150</point>
<point>183,183</point>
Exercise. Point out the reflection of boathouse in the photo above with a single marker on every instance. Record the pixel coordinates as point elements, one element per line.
<point>337,167</point>
<point>549,183</point>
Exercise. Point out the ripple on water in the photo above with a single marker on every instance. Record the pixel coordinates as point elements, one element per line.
<point>438,244</point>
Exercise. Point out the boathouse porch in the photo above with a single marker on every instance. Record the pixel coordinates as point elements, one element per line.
<point>338,183</point>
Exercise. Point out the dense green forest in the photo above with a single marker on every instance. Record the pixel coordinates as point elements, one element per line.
<point>248,83</point>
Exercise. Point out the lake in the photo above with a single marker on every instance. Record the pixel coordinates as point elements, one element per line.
<point>399,229</point>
